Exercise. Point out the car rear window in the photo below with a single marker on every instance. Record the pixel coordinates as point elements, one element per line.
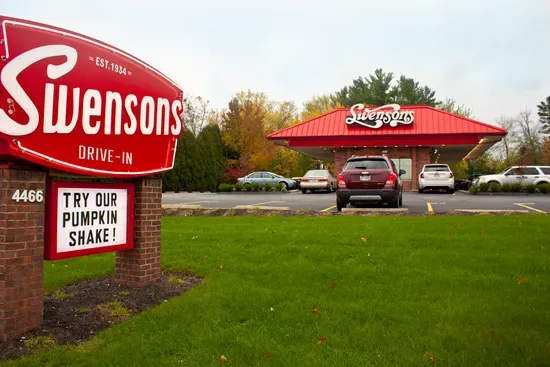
<point>545,170</point>
<point>367,164</point>
<point>316,173</point>
<point>436,168</point>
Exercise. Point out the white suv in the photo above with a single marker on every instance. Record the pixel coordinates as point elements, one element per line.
<point>436,177</point>
<point>524,175</point>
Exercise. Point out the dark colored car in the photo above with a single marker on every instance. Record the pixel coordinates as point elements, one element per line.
<point>369,179</point>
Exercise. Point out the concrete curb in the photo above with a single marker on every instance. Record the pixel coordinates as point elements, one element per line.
<point>491,211</point>
<point>180,206</point>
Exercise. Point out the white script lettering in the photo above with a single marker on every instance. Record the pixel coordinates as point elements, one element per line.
<point>99,112</point>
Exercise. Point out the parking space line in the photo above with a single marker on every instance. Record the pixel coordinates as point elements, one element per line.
<point>329,208</point>
<point>267,202</point>
<point>430,208</point>
<point>531,208</point>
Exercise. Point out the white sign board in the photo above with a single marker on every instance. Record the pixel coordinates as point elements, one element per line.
<point>90,218</point>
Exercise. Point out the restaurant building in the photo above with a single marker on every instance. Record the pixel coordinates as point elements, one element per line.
<point>410,135</point>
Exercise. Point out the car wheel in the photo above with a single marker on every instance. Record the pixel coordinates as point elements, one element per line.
<point>331,189</point>
<point>420,191</point>
<point>339,206</point>
<point>394,204</point>
<point>304,191</point>
<point>401,200</point>
<point>451,191</point>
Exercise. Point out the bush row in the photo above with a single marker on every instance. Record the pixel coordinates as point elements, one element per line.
<point>251,187</point>
<point>494,187</point>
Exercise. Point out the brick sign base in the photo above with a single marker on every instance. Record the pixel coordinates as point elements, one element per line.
<point>141,265</point>
<point>21,253</point>
<point>22,247</point>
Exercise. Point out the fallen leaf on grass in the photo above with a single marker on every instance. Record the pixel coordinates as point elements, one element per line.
<point>332,285</point>
<point>252,239</point>
<point>323,340</point>
<point>271,309</point>
<point>268,356</point>
<point>368,254</point>
<point>223,358</point>
<point>251,355</point>
<point>364,239</point>
<point>481,232</point>
<point>221,267</point>
<point>431,358</point>
<point>66,266</point>
<point>315,310</point>
<point>523,280</point>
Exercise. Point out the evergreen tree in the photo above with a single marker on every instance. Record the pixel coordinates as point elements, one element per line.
<point>544,115</point>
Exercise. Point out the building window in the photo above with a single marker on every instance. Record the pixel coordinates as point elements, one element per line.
<point>406,164</point>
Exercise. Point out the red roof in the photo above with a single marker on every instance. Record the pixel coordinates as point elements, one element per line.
<point>428,121</point>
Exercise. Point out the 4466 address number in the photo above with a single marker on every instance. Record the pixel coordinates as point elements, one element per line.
<point>31,196</point>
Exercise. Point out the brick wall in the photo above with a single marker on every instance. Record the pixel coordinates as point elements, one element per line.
<point>141,265</point>
<point>21,253</point>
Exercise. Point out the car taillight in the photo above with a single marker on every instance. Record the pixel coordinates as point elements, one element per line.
<point>422,175</point>
<point>323,180</point>
<point>451,175</point>
<point>392,180</point>
<point>305,180</point>
<point>341,181</point>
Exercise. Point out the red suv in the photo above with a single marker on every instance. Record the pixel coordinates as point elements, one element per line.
<point>369,179</point>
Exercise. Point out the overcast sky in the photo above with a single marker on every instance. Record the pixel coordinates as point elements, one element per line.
<point>491,55</point>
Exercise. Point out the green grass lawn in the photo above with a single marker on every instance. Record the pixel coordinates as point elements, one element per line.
<point>446,286</point>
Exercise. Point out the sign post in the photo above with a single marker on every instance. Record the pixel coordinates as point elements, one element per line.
<point>73,104</point>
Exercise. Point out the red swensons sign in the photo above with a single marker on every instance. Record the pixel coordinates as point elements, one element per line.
<point>76,104</point>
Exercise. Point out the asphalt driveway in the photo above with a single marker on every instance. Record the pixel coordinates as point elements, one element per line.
<point>412,201</point>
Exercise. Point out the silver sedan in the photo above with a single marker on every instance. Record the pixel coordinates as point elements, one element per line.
<point>318,179</point>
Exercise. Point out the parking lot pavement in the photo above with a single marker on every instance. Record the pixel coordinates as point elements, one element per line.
<point>412,201</point>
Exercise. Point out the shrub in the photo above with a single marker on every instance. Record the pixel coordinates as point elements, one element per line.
<point>544,188</point>
<point>226,187</point>
<point>281,187</point>
<point>473,189</point>
<point>267,187</point>
<point>238,187</point>
<point>506,188</point>
<point>516,187</point>
<point>256,186</point>
<point>484,187</point>
<point>495,187</point>
<point>40,342</point>
<point>247,187</point>
<point>531,188</point>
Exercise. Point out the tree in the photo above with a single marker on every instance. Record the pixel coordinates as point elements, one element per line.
<point>281,115</point>
<point>319,105</point>
<point>212,156</point>
<point>244,127</point>
<point>197,114</point>
<point>508,144</point>
<point>544,115</point>
<point>409,92</point>
<point>531,142</point>
<point>450,105</point>
<point>378,90</point>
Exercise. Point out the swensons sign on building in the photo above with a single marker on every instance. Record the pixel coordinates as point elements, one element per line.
<point>88,219</point>
<point>377,117</point>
